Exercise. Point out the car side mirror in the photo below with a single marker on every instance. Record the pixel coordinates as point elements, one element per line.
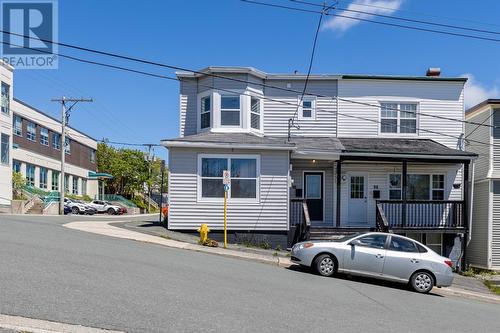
<point>355,242</point>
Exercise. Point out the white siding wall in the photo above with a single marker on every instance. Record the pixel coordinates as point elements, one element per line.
<point>6,76</point>
<point>277,113</point>
<point>437,98</point>
<point>478,249</point>
<point>186,213</point>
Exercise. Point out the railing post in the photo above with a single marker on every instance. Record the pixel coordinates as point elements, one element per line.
<point>339,180</point>
<point>465,213</point>
<point>403,194</point>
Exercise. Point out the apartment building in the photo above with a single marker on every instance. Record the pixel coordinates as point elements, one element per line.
<point>6,78</point>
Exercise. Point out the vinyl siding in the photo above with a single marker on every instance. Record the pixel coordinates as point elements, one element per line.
<point>495,232</point>
<point>438,98</point>
<point>187,213</point>
<point>477,251</point>
<point>188,111</point>
<point>482,134</point>
<point>281,106</point>
<point>495,165</point>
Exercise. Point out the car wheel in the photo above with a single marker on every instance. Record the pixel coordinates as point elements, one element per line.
<point>422,282</point>
<point>75,210</point>
<point>111,211</point>
<point>325,265</point>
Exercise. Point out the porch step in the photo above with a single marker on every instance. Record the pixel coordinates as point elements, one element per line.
<point>334,233</point>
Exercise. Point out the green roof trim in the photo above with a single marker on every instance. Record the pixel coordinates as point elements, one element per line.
<point>403,78</point>
<point>96,175</point>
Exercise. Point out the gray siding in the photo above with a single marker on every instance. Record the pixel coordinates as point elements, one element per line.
<point>495,229</point>
<point>188,111</point>
<point>477,251</point>
<point>187,213</point>
<point>482,134</point>
<point>277,113</point>
<point>496,142</point>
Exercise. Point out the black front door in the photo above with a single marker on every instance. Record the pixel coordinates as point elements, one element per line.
<point>313,193</point>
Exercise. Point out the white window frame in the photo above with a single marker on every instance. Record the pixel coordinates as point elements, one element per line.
<point>200,97</point>
<point>67,147</point>
<point>74,182</point>
<point>431,188</point>
<point>56,144</point>
<point>57,175</point>
<point>5,99</point>
<point>300,102</point>
<point>227,94</point>
<point>29,133</point>
<point>29,181</point>
<point>42,137</point>
<point>18,130</point>
<point>398,119</point>
<point>5,146</point>
<point>43,183</point>
<point>261,115</point>
<point>255,200</point>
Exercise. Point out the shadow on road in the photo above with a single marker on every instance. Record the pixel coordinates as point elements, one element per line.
<point>360,279</point>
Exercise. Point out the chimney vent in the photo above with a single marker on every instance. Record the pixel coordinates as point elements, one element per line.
<point>433,71</point>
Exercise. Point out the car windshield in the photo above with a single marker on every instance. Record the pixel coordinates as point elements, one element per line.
<point>346,238</point>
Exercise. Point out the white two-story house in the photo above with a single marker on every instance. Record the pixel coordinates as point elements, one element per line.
<point>362,153</point>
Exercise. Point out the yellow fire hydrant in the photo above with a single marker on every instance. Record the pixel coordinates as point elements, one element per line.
<point>203,230</point>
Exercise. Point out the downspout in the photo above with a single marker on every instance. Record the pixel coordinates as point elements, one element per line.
<point>470,202</point>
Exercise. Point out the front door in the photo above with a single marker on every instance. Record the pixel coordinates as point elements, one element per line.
<point>358,193</point>
<point>313,193</point>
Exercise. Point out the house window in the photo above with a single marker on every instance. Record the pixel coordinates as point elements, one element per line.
<point>398,118</point>
<point>5,98</point>
<point>16,166</point>
<point>55,180</point>
<point>67,145</point>
<point>230,111</point>
<point>255,112</point>
<point>56,141</point>
<point>84,187</point>
<point>30,175</point>
<point>4,150</point>
<point>307,108</point>
<point>18,126</point>
<point>43,178</point>
<point>31,131</point>
<point>75,185</point>
<point>92,155</point>
<point>205,111</point>
<point>437,187</point>
<point>243,177</point>
<point>419,187</point>
<point>44,136</point>
<point>66,183</point>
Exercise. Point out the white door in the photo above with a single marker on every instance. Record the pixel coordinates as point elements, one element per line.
<point>357,198</point>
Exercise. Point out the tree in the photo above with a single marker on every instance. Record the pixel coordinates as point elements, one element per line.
<point>18,183</point>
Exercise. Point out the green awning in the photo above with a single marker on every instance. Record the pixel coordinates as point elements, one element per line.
<point>99,175</point>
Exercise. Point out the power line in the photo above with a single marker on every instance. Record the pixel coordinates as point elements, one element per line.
<point>271,99</point>
<point>403,18</point>
<point>408,27</point>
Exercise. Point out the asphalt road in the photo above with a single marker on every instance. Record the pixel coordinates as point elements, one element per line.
<point>54,273</point>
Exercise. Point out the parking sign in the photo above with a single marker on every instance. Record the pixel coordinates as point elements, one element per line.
<point>227,177</point>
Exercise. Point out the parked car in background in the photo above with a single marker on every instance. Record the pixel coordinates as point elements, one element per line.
<point>379,255</point>
<point>107,207</point>
<point>67,209</point>
<point>79,207</point>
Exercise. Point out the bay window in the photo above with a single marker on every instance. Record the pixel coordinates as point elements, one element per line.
<point>254,112</point>
<point>244,171</point>
<point>230,111</point>
<point>419,187</point>
<point>398,118</point>
<point>205,111</point>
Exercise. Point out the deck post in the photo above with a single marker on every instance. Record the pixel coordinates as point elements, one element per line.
<point>339,180</point>
<point>404,183</point>
<point>465,211</point>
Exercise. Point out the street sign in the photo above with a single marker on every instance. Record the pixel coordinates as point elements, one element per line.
<point>227,177</point>
<point>226,187</point>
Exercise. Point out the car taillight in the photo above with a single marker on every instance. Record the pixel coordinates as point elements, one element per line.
<point>448,262</point>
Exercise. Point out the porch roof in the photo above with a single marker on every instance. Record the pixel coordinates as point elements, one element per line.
<point>399,147</point>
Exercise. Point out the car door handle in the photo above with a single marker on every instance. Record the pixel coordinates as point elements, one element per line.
<point>379,256</point>
<point>414,261</point>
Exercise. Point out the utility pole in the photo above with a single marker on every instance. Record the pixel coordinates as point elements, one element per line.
<point>65,112</point>
<point>150,160</point>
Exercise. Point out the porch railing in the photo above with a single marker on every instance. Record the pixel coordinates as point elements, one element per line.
<point>300,223</point>
<point>381,219</point>
<point>423,214</point>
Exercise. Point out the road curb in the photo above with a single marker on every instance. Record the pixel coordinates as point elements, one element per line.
<point>467,294</point>
<point>23,324</point>
<point>105,228</point>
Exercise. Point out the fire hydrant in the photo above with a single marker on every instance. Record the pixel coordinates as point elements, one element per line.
<point>203,230</point>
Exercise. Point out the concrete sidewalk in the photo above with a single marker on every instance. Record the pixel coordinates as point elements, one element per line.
<point>104,228</point>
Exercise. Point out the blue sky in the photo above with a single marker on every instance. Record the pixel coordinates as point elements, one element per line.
<point>194,34</point>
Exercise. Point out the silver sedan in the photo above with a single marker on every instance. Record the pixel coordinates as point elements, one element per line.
<point>380,255</point>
